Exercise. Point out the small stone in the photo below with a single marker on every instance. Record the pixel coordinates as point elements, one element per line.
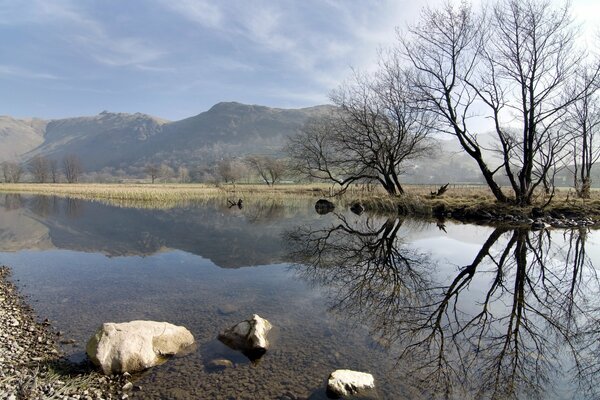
<point>250,337</point>
<point>13,322</point>
<point>344,382</point>
<point>128,386</point>
<point>219,364</point>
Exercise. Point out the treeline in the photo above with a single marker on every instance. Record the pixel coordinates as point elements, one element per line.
<point>41,169</point>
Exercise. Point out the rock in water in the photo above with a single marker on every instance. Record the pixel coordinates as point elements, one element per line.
<point>323,206</point>
<point>345,382</point>
<point>357,208</point>
<point>136,345</point>
<point>250,337</point>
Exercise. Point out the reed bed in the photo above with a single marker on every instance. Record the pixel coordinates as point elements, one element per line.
<point>163,196</point>
<point>417,200</point>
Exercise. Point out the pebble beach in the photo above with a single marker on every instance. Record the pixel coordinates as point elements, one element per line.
<point>31,364</point>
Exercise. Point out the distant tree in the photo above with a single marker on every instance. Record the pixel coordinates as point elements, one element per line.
<point>183,174</point>
<point>39,168</point>
<point>72,168</point>
<point>12,172</point>
<point>165,172</point>
<point>583,122</point>
<point>269,169</point>
<point>153,170</point>
<point>228,171</point>
<point>54,173</point>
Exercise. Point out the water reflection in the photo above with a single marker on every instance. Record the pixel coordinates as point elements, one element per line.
<point>521,320</point>
<point>229,236</point>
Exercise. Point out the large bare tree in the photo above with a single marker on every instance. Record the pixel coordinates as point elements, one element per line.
<point>377,127</point>
<point>511,66</point>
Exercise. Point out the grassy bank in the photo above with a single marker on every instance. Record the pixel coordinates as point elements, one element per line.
<point>460,201</point>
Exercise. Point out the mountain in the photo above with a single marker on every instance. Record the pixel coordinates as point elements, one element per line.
<point>19,136</point>
<point>120,140</point>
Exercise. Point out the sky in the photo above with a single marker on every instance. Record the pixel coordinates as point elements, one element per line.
<point>176,58</point>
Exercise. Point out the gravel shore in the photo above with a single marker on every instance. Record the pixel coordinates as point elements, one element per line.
<point>31,364</point>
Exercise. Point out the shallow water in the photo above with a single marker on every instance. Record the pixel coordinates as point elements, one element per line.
<point>432,310</point>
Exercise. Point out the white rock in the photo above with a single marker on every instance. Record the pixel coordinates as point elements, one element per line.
<point>136,345</point>
<point>248,336</point>
<point>344,382</point>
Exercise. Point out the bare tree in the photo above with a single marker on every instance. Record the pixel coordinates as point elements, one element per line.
<point>515,63</point>
<point>53,167</point>
<point>153,170</point>
<point>376,129</point>
<point>72,168</point>
<point>268,168</point>
<point>165,172</point>
<point>183,173</point>
<point>12,172</point>
<point>39,167</point>
<point>228,170</point>
<point>443,51</point>
<point>582,123</point>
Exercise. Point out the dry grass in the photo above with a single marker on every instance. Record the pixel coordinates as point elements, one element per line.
<point>416,201</point>
<point>139,194</point>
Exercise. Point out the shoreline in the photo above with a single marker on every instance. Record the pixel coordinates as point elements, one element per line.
<point>31,363</point>
<point>467,204</point>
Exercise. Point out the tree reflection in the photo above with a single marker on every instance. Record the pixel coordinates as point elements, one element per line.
<point>507,325</point>
<point>12,201</point>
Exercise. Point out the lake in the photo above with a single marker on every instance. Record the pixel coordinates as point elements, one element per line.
<point>432,309</point>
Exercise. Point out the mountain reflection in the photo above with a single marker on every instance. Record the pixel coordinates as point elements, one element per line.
<point>519,321</point>
<point>230,237</point>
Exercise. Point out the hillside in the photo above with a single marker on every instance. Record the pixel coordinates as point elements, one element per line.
<point>19,136</point>
<point>129,141</point>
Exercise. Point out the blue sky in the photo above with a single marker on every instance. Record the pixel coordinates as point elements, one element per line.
<point>176,58</point>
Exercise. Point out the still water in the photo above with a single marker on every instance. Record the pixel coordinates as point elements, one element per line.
<point>431,309</point>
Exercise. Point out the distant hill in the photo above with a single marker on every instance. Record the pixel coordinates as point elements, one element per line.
<point>119,140</point>
<point>19,136</point>
<point>127,142</point>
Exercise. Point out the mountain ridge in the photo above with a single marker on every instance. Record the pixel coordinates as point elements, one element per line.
<point>131,140</point>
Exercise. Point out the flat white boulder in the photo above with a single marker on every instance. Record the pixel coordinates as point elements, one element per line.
<point>249,336</point>
<point>136,345</point>
<point>345,382</point>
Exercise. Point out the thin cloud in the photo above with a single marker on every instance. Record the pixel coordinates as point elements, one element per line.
<point>19,72</point>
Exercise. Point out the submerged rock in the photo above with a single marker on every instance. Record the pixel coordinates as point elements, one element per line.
<point>219,364</point>
<point>250,337</point>
<point>136,345</point>
<point>323,206</point>
<point>345,382</point>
